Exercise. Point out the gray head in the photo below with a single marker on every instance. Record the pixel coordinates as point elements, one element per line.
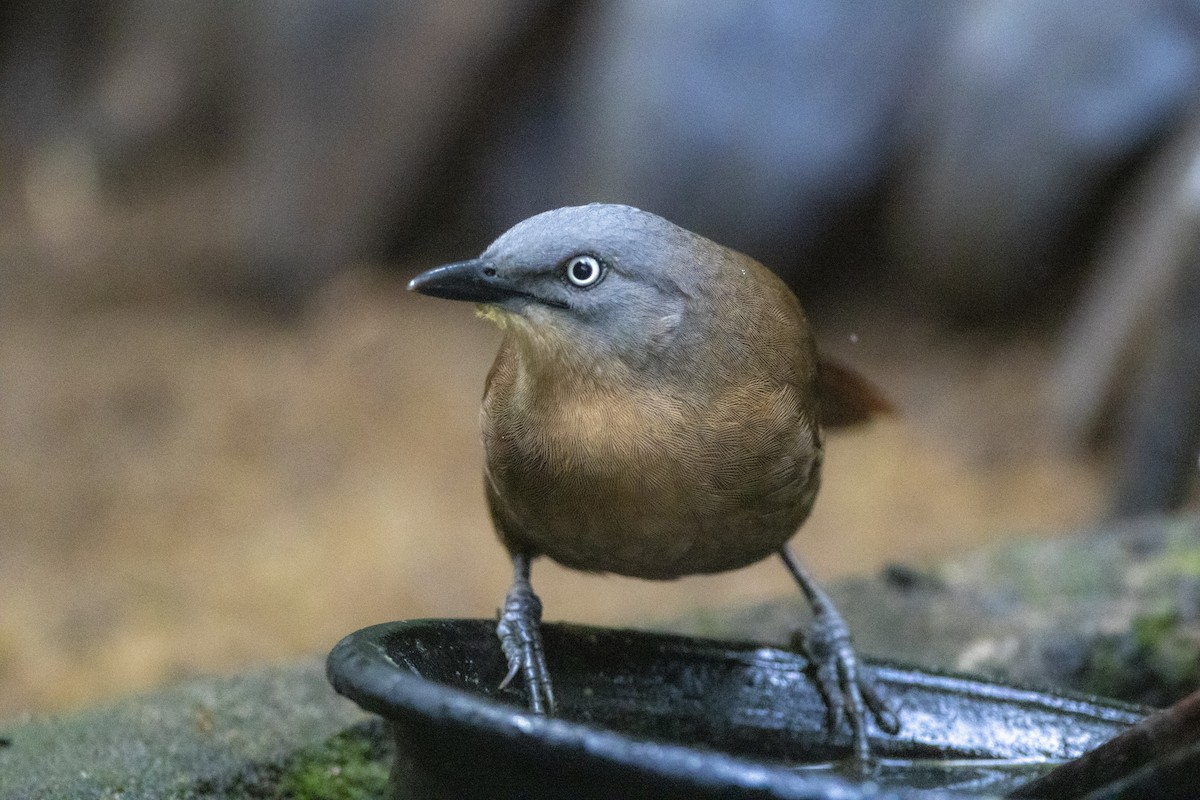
<point>610,277</point>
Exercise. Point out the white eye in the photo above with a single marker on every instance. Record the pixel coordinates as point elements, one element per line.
<point>584,271</point>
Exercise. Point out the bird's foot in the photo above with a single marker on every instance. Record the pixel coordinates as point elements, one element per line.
<point>521,638</point>
<point>849,692</point>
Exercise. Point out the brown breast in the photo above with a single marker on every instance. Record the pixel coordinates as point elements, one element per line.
<point>647,481</point>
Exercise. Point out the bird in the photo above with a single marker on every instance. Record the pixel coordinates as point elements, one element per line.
<point>655,410</point>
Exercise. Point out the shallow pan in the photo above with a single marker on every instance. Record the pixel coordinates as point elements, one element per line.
<point>645,715</point>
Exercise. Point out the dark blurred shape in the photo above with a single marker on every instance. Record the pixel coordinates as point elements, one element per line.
<point>354,104</point>
<point>1162,436</point>
<point>1131,355</point>
<point>258,148</point>
<point>779,129</point>
<point>245,149</point>
<point>1034,109</point>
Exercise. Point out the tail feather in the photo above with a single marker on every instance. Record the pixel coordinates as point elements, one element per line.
<point>848,398</point>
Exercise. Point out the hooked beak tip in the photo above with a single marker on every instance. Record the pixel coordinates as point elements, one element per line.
<point>435,282</point>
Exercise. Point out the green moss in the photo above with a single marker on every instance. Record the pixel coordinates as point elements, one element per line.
<point>351,766</point>
<point>1182,554</point>
<point>1046,575</point>
<point>1156,661</point>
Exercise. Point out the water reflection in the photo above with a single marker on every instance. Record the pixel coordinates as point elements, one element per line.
<point>982,776</point>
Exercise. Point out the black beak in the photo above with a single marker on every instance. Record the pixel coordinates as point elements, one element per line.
<point>475,280</point>
<point>467,280</point>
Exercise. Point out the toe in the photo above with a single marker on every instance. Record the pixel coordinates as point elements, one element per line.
<point>885,716</point>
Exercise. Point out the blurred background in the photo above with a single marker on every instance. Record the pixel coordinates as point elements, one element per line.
<point>228,436</point>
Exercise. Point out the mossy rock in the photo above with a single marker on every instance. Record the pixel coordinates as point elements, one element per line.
<point>351,766</point>
<point>273,733</point>
<point>1113,611</point>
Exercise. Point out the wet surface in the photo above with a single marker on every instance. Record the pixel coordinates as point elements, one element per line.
<point>984,777</point>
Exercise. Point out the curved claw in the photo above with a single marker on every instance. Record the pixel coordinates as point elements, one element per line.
<point>849,693</point>
<point>842,681</point>
<point>520,637</point>
<point>514,663</point>
<point>885,716</point>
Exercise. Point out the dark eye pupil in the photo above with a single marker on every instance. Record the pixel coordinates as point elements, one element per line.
<point>582,270</point>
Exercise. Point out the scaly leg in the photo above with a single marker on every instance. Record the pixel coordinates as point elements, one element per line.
<point>847,691</point>
<point>521,638</point>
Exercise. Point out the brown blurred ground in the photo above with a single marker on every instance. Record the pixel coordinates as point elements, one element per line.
<point>188,489</point>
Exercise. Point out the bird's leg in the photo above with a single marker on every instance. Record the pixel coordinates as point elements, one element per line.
<point>840,677</point>
<point>521,638</point>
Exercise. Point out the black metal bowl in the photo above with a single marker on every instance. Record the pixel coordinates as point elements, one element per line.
<point>658,716</point>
